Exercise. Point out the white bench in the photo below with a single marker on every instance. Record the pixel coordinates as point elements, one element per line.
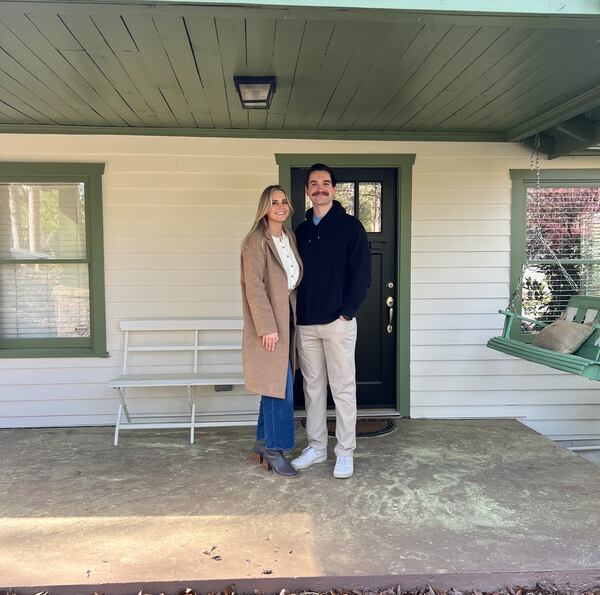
<point>192,339</point>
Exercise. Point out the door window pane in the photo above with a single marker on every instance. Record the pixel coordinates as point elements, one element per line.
<point>40,221</point>
<point>344,193</point>
<point>369,202</point>
<point>369,205</point>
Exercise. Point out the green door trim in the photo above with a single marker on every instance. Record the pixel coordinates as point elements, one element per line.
<point>403,164</point>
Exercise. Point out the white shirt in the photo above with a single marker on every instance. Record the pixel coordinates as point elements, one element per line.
<point>290,264</point>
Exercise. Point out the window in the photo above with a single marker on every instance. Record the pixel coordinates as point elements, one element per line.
<point>51,260</point>
<point>369,202</point>
<point>556,233</point>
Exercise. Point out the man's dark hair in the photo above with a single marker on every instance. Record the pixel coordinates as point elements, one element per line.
<point>320,167</point>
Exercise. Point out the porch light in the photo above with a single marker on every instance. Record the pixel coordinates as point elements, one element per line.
<point>256,92</point>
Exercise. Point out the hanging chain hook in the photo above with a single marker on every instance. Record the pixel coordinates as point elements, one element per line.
<point>534,166</point>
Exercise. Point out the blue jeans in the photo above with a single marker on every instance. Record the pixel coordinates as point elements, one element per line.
<point>276,418</point>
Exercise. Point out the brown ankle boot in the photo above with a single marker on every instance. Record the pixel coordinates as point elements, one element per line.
<point>258,451</point>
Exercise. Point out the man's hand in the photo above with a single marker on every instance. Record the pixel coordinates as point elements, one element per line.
<point>270,341</point>
<point>342,317</point>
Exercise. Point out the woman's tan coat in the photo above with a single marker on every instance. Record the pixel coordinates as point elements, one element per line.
<point>266,305</point>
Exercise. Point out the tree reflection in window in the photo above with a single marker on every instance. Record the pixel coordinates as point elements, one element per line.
<point>569,220</point>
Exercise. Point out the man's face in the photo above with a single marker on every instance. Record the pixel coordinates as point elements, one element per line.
<point>320,189</point>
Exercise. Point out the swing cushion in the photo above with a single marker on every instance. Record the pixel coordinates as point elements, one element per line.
<point>563,336</point>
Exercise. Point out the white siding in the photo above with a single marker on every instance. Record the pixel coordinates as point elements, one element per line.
<point>460,259</point>
<point>175,210</point>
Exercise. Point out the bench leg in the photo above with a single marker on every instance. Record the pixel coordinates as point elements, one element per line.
<point>123,404</point>
<point>192,404</point>
<point>193,426</point>
<point>118,425</point>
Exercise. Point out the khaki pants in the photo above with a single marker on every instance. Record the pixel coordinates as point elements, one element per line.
<point>326,352</point>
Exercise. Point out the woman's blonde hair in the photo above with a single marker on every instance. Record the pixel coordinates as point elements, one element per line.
<point>264,204</point>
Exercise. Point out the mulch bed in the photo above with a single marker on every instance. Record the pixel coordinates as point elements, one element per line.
<point>537,590</point>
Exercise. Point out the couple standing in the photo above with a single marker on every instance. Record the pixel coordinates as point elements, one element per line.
<point>301,296</point>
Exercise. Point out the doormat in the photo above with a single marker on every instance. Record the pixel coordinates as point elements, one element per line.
<point>366,427</point>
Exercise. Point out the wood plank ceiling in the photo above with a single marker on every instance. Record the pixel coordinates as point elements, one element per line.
<point>148,67</point>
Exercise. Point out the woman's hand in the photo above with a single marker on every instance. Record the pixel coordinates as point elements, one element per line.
<point>270,341</point>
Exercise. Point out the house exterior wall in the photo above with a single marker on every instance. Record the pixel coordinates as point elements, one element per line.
<point>175,210</point>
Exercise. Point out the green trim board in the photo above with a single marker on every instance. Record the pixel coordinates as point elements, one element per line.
<point>90,174</point>
<point>580,14</point>
<point>521,180</point>
<point>568,142</point>
<point>403,163</point>
<point>384,135</point>
<point>571,7</point>
<point>57,172</point>
<point>575,106</point>
<point>591,152</point>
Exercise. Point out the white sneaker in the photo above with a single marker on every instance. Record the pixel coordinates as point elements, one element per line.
<point>344,467</point>
<point>309,457</point>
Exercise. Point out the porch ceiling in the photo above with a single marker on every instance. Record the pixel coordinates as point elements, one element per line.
<point>351,73</point>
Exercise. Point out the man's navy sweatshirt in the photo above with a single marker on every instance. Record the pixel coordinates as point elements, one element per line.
<point>337,266</point>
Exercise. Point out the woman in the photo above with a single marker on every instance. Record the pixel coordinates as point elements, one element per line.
<point>270,272</point>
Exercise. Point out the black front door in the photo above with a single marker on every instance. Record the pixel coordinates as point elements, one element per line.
<point>370,195</point>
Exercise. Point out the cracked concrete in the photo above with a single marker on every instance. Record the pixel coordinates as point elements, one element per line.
<point>433,497</point>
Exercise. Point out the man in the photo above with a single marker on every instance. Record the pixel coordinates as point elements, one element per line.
<point>337,274</point>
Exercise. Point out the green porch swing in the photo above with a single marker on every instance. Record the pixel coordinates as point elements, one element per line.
<point>583,362</point>
<point>580,309</point>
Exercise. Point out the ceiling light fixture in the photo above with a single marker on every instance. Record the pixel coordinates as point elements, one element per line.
<point>256,92</point>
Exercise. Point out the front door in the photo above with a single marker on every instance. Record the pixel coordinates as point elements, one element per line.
<point>370,195</point>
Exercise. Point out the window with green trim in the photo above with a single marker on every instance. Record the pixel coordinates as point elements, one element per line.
<point>555,240</point>
<point>51,260</point>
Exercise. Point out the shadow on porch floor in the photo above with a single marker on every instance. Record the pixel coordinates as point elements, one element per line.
<point>433,498</point>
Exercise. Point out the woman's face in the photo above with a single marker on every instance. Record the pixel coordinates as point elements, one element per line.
<point>280,208</point>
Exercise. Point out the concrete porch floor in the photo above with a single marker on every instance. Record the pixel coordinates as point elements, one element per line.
<point>488,500</point>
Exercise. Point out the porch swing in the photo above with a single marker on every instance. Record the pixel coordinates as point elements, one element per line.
<point>583,357</point>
